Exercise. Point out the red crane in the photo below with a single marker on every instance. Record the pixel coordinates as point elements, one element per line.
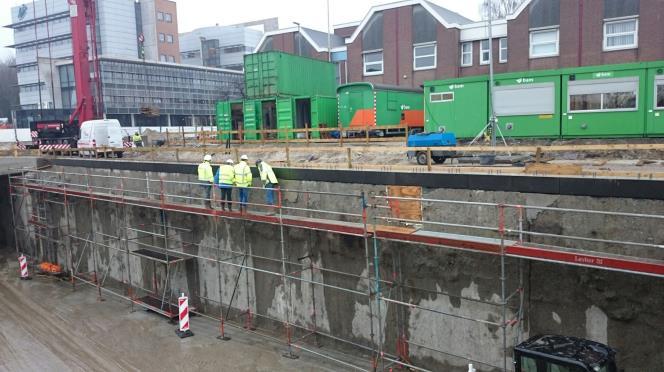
<point>88,87</point>
<point>58,134</point>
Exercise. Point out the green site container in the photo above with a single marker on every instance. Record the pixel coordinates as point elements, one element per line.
<point>655,100</point>
<point>367,104</point>
<point>251,115</point>
<point>288,113</point>
<point>278,74</point>
<point>604,101</point>
<point>459,106</point>
<point>528,104</point>
<point>229,116</point>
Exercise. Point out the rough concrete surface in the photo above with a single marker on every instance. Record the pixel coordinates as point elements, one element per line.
<point>45,326</point>
<point>624,310</point>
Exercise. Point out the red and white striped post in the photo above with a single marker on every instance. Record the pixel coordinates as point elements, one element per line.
<point>183,330</point>
<point>23,264</point>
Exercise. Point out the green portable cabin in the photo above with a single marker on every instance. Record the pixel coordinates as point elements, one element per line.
<point>278,74</point>
<point>366,104</point>
<point>528,104</point>
<point>604,101</point>
<point>305,112</point>
<point>230,117</point>
<point>655,99</point>
<point>459,106</point>
<point>276,113</point>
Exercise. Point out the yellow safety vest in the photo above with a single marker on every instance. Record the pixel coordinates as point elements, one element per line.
<point>267,174</point>
<point>205,172</point>
<point>226,174</point>
<point>138,138</point>
<point>242,175</point>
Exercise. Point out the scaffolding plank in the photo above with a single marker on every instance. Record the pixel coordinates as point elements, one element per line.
<point>560,255</point>
<point>154,255</point>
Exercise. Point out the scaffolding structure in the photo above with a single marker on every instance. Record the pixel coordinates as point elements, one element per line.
<point>386,294</point>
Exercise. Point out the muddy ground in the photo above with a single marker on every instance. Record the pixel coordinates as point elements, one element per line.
<point>45,326</point>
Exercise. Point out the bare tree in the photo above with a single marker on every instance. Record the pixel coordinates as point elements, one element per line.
<point>9,91</point>
<point>499,8</point>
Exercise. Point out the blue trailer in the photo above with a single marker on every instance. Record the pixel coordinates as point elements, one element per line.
<point>434,141</point>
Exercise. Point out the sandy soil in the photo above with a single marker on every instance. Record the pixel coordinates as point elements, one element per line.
<point>45,326</point>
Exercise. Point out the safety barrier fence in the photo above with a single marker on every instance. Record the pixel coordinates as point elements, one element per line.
<point>41,200</point>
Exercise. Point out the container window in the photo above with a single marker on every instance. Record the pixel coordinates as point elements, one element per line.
<point>372,36</point>
<point>502,42</point>
<point>544,43</point>
<point>424,56</point>
<point>373,63</point>
<point>484,52</point>
<point>467,54</point>
<point>531,99</point>
<point>660,96</point>
<point>619,94</point>
<point>441,97</point>
<point>621,34</point>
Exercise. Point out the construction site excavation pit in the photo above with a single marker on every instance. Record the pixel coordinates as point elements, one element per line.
<point>352,270</point>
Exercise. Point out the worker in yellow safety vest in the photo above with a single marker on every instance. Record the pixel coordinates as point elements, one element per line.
<point>224,179</point>
<point>206,178</point>
<point>242,181</point>
<point>137,139</point>
<point>269,180</point>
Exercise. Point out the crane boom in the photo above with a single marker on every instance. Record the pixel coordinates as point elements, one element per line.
<point>83,14</point>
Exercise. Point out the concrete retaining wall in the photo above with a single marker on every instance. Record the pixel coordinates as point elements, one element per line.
<point>626,311</point>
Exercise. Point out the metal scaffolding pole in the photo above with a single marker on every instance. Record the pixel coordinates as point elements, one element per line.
<point>500,236</point>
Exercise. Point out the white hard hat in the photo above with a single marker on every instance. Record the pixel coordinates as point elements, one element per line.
<point>244,157</point>
<point>207,157</point>
<point>229,161</point>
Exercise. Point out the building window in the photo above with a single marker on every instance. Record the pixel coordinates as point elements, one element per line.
<point>622,34</point>
<point>502,42</point>
<point>424,56</point>
<point>603,95</point>
<point>169,39</point>
<point>441,97</point>
<point>484,52</point>
<point>162,58</point>
<point>543,43</point>
<point>372,35</point>
<point>373,63</point>
<point>659,93</point>
<point>162,37</point>
<point>160,16</point>
<point>467,54</point>
<point>168,17</point>
<point>171,59</point>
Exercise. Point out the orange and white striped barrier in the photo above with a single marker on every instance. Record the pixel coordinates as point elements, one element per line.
<point>183,314</point>
<point>23,264</point>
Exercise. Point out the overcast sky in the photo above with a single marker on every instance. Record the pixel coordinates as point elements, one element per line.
<point>310,13</point>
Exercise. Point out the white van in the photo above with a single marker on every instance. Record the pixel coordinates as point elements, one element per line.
<point>105,136</point>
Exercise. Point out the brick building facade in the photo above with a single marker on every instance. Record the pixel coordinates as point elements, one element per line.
<point>408,42</point>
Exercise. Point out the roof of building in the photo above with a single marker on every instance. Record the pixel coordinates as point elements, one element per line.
<point>317,39</point>
<point>448,15</point>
